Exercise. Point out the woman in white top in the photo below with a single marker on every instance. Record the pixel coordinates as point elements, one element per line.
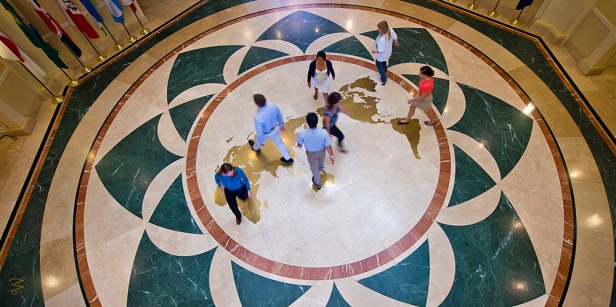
<point>384,41</point>
<point>318,75</point>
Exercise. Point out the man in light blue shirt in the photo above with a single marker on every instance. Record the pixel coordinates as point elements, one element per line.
<point>268,125</point>
<point>317,141</point>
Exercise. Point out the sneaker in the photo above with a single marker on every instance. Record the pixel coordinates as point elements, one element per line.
<point>318,186</point>
<point>290,161</point>
<point>342,148</point>
<point>252,144</point>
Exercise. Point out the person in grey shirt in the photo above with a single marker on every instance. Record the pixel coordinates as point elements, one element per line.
<point>268,125</point>
<point>317,141</point>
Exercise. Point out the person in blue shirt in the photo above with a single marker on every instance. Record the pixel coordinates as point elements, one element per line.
<point>317,141</point>
<point>268,125</point>
<point>234,184</point>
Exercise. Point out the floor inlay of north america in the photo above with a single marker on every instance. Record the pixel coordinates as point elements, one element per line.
<point>490,207</point>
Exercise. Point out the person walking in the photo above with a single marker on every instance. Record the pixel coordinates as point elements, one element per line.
<point>317,141</point>
<point>234,184</point>
<point>384,41</point>
<point>330,117</point>
<point>268,125</point>
<point>319,72</point>
<point>423,98</point>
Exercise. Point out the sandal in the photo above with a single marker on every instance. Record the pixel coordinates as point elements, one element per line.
<point>400,122</point>
<point>427,123</point>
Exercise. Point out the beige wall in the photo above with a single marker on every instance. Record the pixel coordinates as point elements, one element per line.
<point>19,101</point>
<point>585,27</point>
<point>608,9</point>
<point>591,32</point>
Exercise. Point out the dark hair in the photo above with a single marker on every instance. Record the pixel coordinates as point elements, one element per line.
<point>227,167</point>
<point>426,70</point>
<point>334,98</point>
<point>259,99</point>
<point>321,54</point>
<point>312,119</point>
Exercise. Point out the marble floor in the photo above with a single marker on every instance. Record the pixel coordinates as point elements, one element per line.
<point>505,202</point>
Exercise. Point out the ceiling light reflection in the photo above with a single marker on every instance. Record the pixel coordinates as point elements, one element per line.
<point>594,220</point>
<point>520,286</point>
<point>529,108</point>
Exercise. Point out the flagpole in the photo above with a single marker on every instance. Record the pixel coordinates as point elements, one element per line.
<point>100,57</point>
<point>56,99</point>
<point>516,21</point>
<point>72,82</point>
<point>118,46</point>
<point>144,30</point>
<point>85,69</point>
<point>131,39</point>
<point>493,13</point>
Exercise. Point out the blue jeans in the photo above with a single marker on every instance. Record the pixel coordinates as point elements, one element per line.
<point>382,67</point>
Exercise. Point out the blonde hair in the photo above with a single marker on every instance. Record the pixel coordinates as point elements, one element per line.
<point>384,28</point>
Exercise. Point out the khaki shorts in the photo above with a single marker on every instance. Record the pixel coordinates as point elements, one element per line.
<point>424,104</point>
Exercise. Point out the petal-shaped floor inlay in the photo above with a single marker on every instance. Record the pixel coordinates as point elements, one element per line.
<point>440,93</point>
<point>350,45</point>
<point>301,29</point>
<point>258,55</point>
<point>336,299</point>
<point>496,264</point>
<point>416,46</point>
<point>128,168</point>
<point>184,115</point>
<point>501,128</point>
<point>172,212</point>
<point>196,67</point>
<point>161,279</point>
<point>408,281</point>
<point>256,290</point>
<point>471,180</point>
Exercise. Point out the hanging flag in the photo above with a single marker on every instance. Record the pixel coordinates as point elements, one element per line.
<point>75,16</point>
<point>91,8</point>
<point>10,51</point>
<point>523,3</point>
<point>55,28</point>
<point>34,36</point>
<point>131,3</point>
<point>116,10</point>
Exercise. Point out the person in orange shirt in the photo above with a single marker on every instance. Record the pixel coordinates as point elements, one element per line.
<point>423,98</point>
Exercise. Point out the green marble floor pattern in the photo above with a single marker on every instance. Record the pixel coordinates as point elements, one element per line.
<point>496,264</point>
<point>487,246</point>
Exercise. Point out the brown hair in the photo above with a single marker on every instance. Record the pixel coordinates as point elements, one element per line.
<point>385,28</point>
<point>227,167</point>
<point>259,99</point>
<point>334,98</point>
<point>427,70</point>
